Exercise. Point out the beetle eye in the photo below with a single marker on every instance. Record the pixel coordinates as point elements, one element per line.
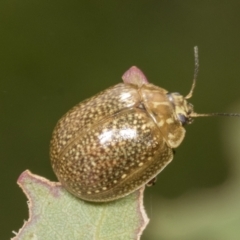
<point>182,118</point>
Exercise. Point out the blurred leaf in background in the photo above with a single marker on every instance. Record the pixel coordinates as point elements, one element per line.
<point>56,54</point>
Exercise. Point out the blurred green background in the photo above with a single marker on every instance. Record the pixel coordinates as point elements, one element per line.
<point>57,53</point>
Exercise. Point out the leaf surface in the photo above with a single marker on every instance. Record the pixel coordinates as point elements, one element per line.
<point>56,214</point>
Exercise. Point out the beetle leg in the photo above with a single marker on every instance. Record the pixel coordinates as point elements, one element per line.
<point>174,151</point>
<point>152,182</point>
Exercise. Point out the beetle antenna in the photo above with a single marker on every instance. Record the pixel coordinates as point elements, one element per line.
<point>193,114</point>
<point>196,59</point>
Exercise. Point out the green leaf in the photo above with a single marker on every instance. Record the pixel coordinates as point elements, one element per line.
<point>56,214</point>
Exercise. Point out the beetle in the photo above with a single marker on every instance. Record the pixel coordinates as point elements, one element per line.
<point>119,140</point>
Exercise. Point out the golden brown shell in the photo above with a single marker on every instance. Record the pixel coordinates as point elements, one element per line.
<point>115,142</point>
